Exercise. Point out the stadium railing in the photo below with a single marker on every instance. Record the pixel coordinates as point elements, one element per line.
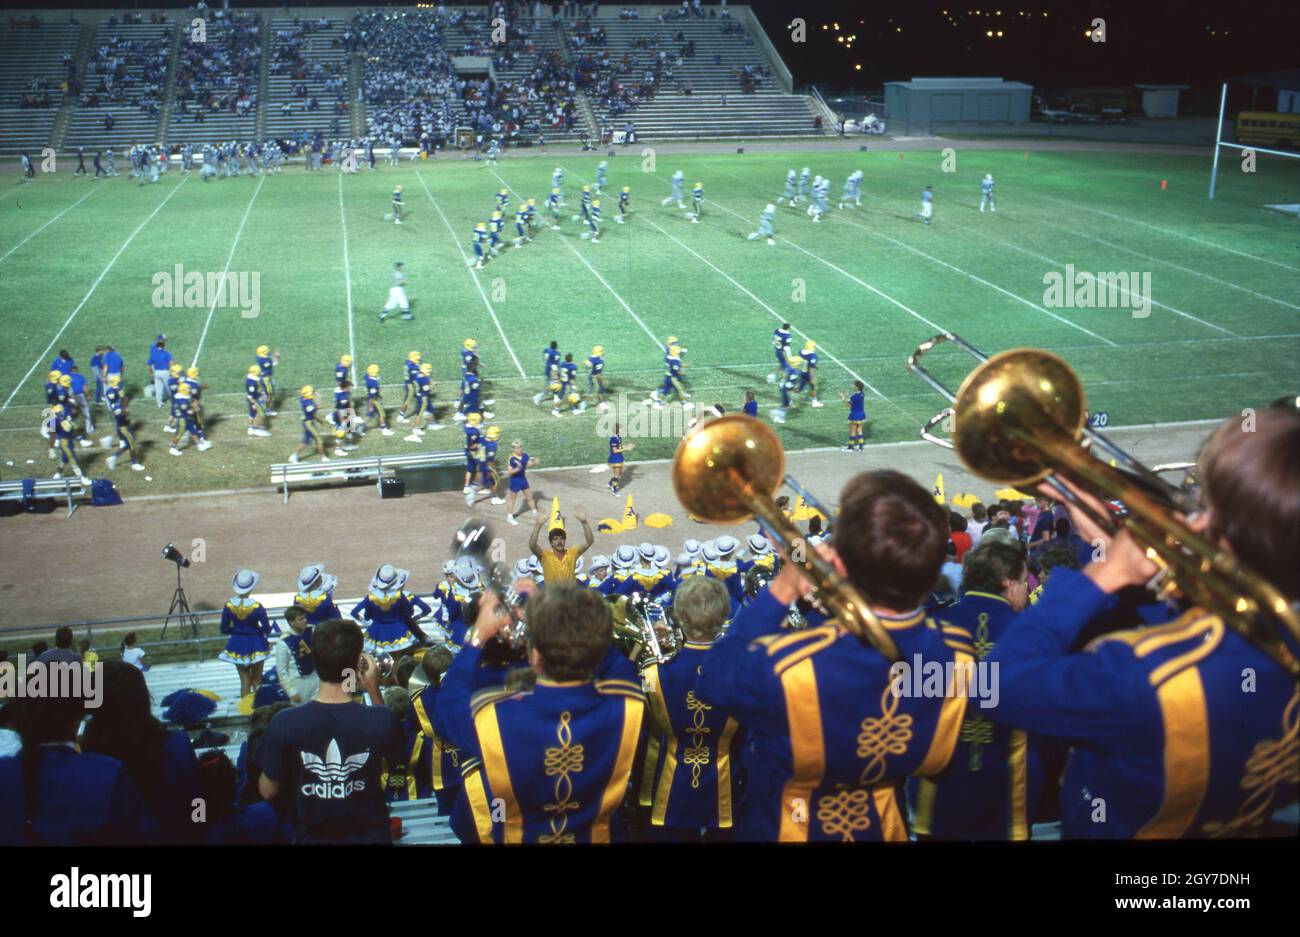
<point>69,489</point>
<point>377,468</point>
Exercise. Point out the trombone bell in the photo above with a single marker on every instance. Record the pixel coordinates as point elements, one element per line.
<point>721,466</point>
<point>1009,407</point>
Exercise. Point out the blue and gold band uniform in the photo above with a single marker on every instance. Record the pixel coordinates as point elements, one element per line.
<point>246,622</point>
<point>387,615</point>
<point>299,646</point>
<point>121,420</point>
<point>433,763</point>
<point>559,756</point>
<point>989,788</point>
<point>1166,740</point>
<point>698,767</point>
<point>831,740</point>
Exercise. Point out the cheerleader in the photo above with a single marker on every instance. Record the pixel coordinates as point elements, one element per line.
<point>391,613</point>
<point>616,450</point>
<point>245,620</point>
<point>517,469</point>
<point>315,594</point>
<point>857,417</point>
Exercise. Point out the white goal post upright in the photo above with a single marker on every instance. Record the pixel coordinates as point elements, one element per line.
<point>1220,143</point>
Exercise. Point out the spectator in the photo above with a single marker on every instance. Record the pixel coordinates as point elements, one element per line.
<point>975,526</point>
<point>293,662</point>
<point>132,654</point>
<point>56,795</point>
<point>952,570</point>
<point>957,533</point>
<point>161,762</point>
<point>559,562</point>
<point>63,651</point>
<point>331,753</point>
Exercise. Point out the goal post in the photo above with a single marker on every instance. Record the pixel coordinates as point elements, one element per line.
<point>1220,144</point>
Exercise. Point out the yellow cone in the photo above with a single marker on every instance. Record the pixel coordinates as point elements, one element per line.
<point>938,488</point>
<point>629,515</point>
<point>557,519</point>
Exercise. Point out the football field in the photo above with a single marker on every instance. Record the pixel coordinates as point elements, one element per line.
<point>1208,324</point>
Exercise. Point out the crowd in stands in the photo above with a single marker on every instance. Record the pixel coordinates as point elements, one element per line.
<point>110,82</point>
<point>289,59</point>
<point>221,74</point>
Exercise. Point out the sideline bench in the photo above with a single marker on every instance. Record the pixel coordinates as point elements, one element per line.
<point>70,489</point>
<point>375,468</point>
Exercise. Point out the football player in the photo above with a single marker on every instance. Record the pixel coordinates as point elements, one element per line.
<point>677,180</point>
<point>596,375</point>
<point>256,408</point>
<point>117,400</point>
<point>697,202</point>
<point>790,194</point>
<point>375,400</point>
<point>765,226</point>
<point>311,430</point>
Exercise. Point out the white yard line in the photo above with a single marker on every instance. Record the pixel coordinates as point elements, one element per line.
<point>474,274</point>
<point>6,254</point>
<point>229,260</point>
<point>1172,233</point>
<point>99,279</point>
<point>594,272</point>
<point>840,270</point>
<point>1056,263</point>
<point>347,281</point>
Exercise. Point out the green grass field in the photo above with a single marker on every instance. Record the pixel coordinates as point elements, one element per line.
<point>77,260</point>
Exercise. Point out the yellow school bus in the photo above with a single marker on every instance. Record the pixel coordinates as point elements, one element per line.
<point>1266,128</point>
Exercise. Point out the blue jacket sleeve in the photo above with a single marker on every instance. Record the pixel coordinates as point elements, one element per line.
<point>616,666</point>
<point>358,610</point>
<point>419,607</point>
<point>735,678</point>
<point>1099,697</point>
<point>227,622</point>
<point>451,716</point>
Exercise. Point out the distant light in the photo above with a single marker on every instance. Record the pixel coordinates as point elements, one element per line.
<point>999,34</point>
<point>1087,32</point>
<point>989,34</point>
<point>857,67</point>
<point>898,29</point>
<point>837,26</point>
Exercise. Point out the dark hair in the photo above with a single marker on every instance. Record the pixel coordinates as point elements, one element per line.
<point>978,512</point>
<point>858,385</point>
<point>124,727</point>
<point>336,647</point>
<point>894,537</point>
<point>63,637</point>
<point>556,530</point>
<point>814,525</point>
<point>84,646</point>
<point>555,345</point>
<point>44,719</point>
<point>1054,556</point>
<point>129,640</point>
<point>39,648</point>
<point>294,611</point>
<point>1251,482</point>
<point>569,356</point>
<point>956,523</point>
<point>571,628</point>
<point>1061,526</point>
<point>989,565</point>
<point>405,667</point>
<point>219,780</point>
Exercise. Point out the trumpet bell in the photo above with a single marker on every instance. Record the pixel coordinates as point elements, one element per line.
<point>1009,406</point>
<point>723,464</point>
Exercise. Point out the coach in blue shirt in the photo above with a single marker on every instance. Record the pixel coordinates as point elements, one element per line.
<point>112,362</point>
<point>160,362</point>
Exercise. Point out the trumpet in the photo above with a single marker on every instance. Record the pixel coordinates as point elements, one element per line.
<point>727,471</point>
<point>1020,419</point>
<point>644,630</point>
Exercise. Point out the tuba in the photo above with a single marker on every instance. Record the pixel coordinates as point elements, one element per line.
<point>644,630</point>
<point>727,471</point>
<point>1020,419</point>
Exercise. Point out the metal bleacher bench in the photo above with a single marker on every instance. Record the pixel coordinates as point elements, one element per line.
<point>374,468</point>
<point>70,488</point>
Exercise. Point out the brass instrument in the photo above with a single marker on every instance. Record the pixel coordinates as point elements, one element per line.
<point>1019,419</point>
<point>727,471</point>
<point>644,630</point>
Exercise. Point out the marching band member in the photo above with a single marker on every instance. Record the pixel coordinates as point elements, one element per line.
<point>244,619</point>
<point>698,768</point>
<point>601,578</point>
<point>1185,729</point>
<point>820,773</point>
<point>293,663</point>
<point>989,789</point>
<point>582,728</point>
<point>315,595</point>
<point>434,762</point>
<point>391,613</point>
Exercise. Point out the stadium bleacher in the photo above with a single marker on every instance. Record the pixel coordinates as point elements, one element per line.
<point>34,66</point>
<point>307,87</point>
<point>125,77</point>
<point>216,95</point>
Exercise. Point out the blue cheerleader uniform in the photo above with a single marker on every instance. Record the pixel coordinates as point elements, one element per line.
<point>615,457</point>
<point>246,622</point>
<point>387,616</point>
<point>318,605</point>
<point>519,482</point>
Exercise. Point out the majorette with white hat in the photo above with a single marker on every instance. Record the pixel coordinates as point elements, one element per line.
<point>245,620</point>
<point>392,614</point>
<point>315,594</point>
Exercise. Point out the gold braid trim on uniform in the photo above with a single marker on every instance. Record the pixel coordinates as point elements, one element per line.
<point>559,763</point>
<point>1272,762</point>
<point>697,753</point>
<point>881,737</point>
<point>845,813</point>
<point>977,730</point>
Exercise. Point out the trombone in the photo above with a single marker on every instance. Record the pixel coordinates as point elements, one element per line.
<point>727,471</point>
<point>1019,419</point>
